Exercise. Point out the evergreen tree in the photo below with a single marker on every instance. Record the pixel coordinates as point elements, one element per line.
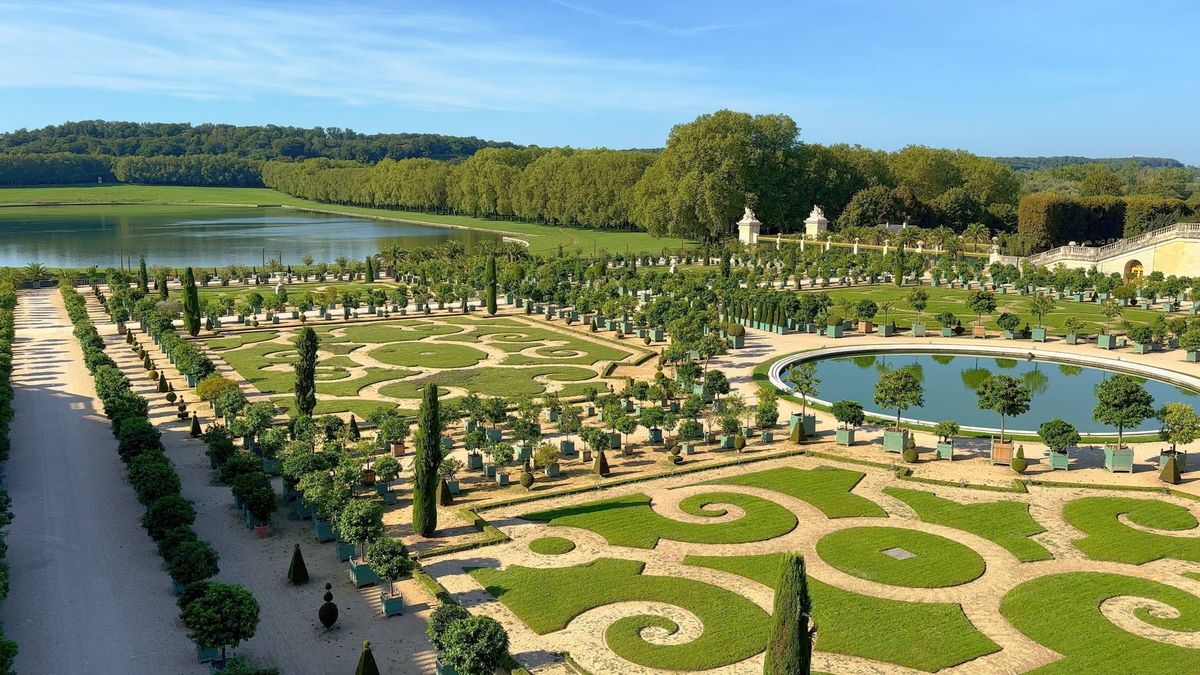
<point>425,466</point>
<point>370,269</point>
<point>789,651</point>
<point>491,285</point>
<point>306,371</point>
<point>191,303</point>
<point>143,276</point>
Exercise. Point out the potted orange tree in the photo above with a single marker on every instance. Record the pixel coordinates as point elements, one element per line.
<point>898,390</point>
<point>1121,401</point>
<point>1006,396</point>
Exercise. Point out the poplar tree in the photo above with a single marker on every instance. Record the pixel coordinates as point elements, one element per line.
<point>143,276</point>
<point>491,285</point>
<point>370,269</point>
<point>425,466</point>
<point>789,651</point>
<point>191,303</point>
<point>306,371</point>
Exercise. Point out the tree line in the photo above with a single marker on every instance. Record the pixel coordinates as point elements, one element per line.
<point>122,139</point>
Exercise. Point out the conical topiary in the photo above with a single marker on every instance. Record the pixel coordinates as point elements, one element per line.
<point>147,363</point>
<point>798,432</point>
<point>600,464</point>
<point>1170,472</point>
<point>162,385</point>
<point>352,431</point>
<point>444,498</point>
<point>1019,463</point>
<point>195,430</point>
<point>297,571</point>
<point>366,661</point>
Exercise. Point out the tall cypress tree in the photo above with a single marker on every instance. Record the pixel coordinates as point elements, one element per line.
<point>491,285</point>
<point>425,466</point>
<point>143,276</point>
<point>306,370</point>
<point>725,266</point>
<point>370,269</point>
<point>789,651</point>
<point>191,303</point>
<point>163,292</point>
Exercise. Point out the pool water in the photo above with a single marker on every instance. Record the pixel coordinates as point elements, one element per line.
<point>1059,389</point>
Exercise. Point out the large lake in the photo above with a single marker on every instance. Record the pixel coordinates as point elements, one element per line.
<point>79,236</point>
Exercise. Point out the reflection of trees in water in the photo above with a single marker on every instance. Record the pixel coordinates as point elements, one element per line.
<point>1007,364</point>
<point>944,359</point>
<point>864,361</point>
<point>1069,370</point>
<point>1036,380</point>
<point>974,377</point>
<point>1187,392</point>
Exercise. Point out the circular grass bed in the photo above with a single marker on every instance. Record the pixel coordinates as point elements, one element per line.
<point>900,557</point>
<point>428,354</point>
<point>551,546</point>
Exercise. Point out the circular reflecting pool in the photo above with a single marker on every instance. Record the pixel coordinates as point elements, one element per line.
<point>1059,389</point>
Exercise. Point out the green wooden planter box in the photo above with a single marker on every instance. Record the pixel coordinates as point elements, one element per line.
<point>1140,348</point>
<point>474,460</point>
<point>845,437</point>
<point>1106,341</point>
<point>656,435</point>
<point>489,470</point>
<point>947,331</point>
<point>502,479</point>
<point>392,605</point>
<point>894,441</point>
<point>1072,339</point>
<point>1038,334</point>
<point>944,451</point>
<point>767,437</point>
<point>323,530</point>
<point>1118,460</point>
<point>614,441</point>
<point>361,575</point>
<point>271,467</point>
<point>566,448</point>
<point>1059,461</point>
<point>1192,356</point>
<point>443,669</point>
<point>886,330</point>
<point>344,551</point>
<point>834,331</point>
<point>918,330</point>
<point>207,654</point>
<point>726,442</point>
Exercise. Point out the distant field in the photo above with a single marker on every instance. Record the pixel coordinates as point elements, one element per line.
<point>541,238</point>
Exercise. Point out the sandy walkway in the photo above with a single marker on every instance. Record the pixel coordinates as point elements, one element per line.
<point>88,593</point>
<point>289,635</point>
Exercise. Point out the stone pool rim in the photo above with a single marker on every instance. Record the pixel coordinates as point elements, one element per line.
<point>1113,365</point>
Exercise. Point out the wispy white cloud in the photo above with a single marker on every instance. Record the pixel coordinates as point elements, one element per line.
<point>647,24</point>
<point>425,57</point>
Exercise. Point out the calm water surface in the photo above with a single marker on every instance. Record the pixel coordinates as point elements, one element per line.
<point>1059,390</point>
<point>207,236</point>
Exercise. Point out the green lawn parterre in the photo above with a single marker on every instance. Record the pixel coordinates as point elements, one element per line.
<point>1007,523</point>
<point>827,488</point>
<point>415,351</point>
<point>937,562</point>
<point>551,545</point>
<point>1109,539</point>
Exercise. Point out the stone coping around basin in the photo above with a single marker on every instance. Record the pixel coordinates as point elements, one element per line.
<point>1117,364</point>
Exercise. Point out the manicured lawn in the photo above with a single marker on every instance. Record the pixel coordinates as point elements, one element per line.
<point>547,599</point>
<point>542,238</point>
<point>375,333</point>
<point>1109,539</point>
<point>1007,523</point>
<point>491,381</point>
<point>1062,612</point>
<point>827,488</point>
<point>427,354</point>
<point>955,301</point>
<point>925,636</point>
<point>238,339</point>
<point>551,546</point>
<point>358,406</point>
<point>937,562</point>
<point>251,361</point>
<point>373,376</point>
<point>629,520</point>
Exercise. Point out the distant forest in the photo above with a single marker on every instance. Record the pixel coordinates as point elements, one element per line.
<point>126,139</point>
<point>1037,163</point>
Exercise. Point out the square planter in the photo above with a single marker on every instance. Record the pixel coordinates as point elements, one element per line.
<point>944,451</point>
<point>207,654</point>
<point>1038,334</point>
<point>361,574</point>
<point>767,437</point>
<point>489,470</point>
<point>1118,460</point>
<point>726,442</point>
<point>614,441</point>
<point>1140,348</point>
<point>918,330</point>
<point>392,605</point>
<point>895,440</point>
<point>689,448</point>
<point>886,330</point>
<point>845,437</point>
<point>656,435</point>
<point>552,471</point>
<point>1058,461</point>
<point>566,448</point>
<point>502,479</point>
<point>979,331</point>
<point>834,331</point>
<point>271,467</point>
<point>323,530</point>
<point>947,331</point>
<point>495,435</point>
<point>1002,452</point>
<point>1072,339</point>
<point>1106,341</point>
<point>443,669</point>
<point>474,460</point>
<point>1192,356</point>
<point>1180,460</point>
<point>453,487</point>
<point>344,551</point>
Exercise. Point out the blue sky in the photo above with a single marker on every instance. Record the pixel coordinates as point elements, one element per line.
<point>1015,78</point>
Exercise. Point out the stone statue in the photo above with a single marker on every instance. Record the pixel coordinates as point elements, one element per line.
<point>816,213</point>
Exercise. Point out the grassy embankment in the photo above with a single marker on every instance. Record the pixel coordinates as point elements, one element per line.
<point>541,238</point>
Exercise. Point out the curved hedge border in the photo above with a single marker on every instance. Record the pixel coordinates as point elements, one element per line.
<point>188,559</point>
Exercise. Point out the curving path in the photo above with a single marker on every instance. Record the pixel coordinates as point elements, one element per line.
<point>88,592</point>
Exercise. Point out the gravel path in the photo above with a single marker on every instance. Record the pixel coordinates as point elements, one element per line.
<point>88,592</point>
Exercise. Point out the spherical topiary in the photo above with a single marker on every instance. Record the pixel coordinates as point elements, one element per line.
<point>526,479</point>
<point>910,450</point>
<point>833,320</point>
<point>441,619</point>
<point>153,376</point>
<point>739,442</point>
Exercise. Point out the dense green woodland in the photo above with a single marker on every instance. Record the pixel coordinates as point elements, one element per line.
<point>694,188</point>
<point>1035,163</point>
